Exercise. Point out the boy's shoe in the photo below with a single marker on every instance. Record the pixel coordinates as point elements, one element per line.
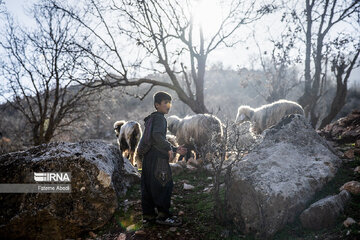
<point>169,221</point>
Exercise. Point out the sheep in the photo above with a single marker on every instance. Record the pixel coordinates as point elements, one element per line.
<point>172,139</point>
<point>128,135</point>
<point>267,115</point>
<point>195,131</point>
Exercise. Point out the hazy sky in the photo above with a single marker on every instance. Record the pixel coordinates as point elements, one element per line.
<point>230,57</point>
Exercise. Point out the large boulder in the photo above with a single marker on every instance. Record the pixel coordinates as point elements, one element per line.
<point>344,130</point>
<point>275,181</point>
<point>324,213</point>
<point>98,176</point>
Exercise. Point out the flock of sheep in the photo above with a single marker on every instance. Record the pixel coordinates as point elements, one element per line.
<point>196,130</point>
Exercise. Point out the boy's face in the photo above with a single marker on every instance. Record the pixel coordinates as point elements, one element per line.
<point>164,106</point>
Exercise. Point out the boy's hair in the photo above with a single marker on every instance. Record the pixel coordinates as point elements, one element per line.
<point>160,96</point>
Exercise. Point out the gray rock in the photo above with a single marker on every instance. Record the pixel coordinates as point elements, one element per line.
<point>323,213</point>
<point>188,186</point>
<point>176,168</point>
<point>353,187</point>
<point>274,182</point>
<point>99,175</point>
<point>348,222</point>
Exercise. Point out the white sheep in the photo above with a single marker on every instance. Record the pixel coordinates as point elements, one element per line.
<point>172,139</point>
<point>195,131</point>
<point>128,136</point>
<point>268,115</point>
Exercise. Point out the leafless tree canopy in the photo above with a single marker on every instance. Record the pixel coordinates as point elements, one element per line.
<point>167,37</point>
<point>50,72</point>
<point>40,70</point>
<point>278,66</point>
<point>317,20</point>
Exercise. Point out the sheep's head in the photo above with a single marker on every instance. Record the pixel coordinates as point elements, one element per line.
<point>117,126</point>
<point>244,114</point>
<point>172,123</point>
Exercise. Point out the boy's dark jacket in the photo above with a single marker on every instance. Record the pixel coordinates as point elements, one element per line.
<point>158,135</point>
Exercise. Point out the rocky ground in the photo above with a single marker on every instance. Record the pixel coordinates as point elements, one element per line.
<point>195,207</point>
<point>192,197</point>
<point>352,210</point>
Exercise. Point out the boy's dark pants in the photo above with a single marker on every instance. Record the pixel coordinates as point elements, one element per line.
<point>156,183</point>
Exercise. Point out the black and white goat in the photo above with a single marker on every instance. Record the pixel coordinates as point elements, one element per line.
<point>128,135</point>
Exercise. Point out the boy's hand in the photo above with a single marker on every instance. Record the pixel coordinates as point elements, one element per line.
<point>181,150</point>
<point>171,155</point>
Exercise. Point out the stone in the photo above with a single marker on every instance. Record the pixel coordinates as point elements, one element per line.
<point>122,236</point>
<point>353,187</point>
<point>99,176</point>
<point>181,213</point>
<point>323,213</point>
<point>348,222</point>
<point>349,154</point>
<point>92,234</point>
<point>273,184</point>
<point>193,162</point>
<point>188,186</point>
<point>190,168</point>
<point>172,229</point>
<point>357,169</point>
<point>344,130</point>
<point>140,232</point>
<point>176,168</point>
<point>130,228</point>
<point>357,143</point>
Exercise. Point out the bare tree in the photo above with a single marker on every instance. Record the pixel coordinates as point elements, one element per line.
<point>317,19</point>
<point>222,155</point>
<point>168,35</point>
<point>342,64</point>
<point>39,72</point>
<point>278,68</point>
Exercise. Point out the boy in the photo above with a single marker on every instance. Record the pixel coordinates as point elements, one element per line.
<point>156,178</point>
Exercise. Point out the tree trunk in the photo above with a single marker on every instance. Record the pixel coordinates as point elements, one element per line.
<point>336,105</point>
<point>342,72</point>
<point>304,100</point>
<point>196,105</point>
